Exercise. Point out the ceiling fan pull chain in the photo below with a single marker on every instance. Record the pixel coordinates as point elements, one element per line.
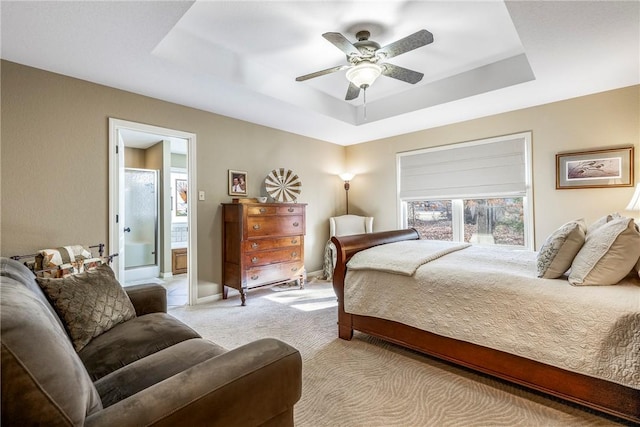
<point>364,96</point>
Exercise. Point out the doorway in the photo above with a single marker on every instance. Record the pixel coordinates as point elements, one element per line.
<point>144,245</point>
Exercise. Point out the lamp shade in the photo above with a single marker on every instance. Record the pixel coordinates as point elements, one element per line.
<point>634,204</point>
<point>346,176</point>
<point>364,74</point>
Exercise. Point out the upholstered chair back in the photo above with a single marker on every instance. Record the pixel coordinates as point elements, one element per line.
<point>346,225</point>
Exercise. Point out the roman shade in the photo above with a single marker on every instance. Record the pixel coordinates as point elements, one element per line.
<point>485,168</point>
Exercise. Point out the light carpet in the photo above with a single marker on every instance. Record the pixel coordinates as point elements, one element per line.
<point>367,381</point>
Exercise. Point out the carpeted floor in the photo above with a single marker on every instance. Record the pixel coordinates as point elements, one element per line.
<point>366,381</point>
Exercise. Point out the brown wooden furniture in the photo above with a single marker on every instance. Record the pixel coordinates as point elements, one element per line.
<point>595,393</point>
<point>179,260</point>
<point>263,244</point>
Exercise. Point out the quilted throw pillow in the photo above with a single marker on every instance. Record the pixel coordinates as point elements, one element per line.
<point>557,252</point>
<point>608,254</point>
<point>88,303</point>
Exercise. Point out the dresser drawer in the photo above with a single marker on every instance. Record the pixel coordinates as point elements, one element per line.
<point>290,210</point>
<point>273,273</point>
<point>274,225</point>
<point>292,253</point>
<point>261,210</point>
<point>270,243</point>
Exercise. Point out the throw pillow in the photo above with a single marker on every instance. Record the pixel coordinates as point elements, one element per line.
<point>602,221</point>
<point>88,303</point>
<point>557,252</point>
<point>608,254</point>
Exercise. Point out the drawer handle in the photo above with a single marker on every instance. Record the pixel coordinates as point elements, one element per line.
<point>254,245</point>
<point>294,241</point>
<point>295,224</point>
<point>262,210</point>
<point>256,226</point>
<point>294,254</point>
<point>294,269</point>
<point>254,259</point>
<point>254,277</point>
<point>290,209</point>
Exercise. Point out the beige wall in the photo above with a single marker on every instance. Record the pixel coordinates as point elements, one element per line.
<point>597,121</point>
<point>55,167</point>
<point>134,158</point>
<point>55,171</point>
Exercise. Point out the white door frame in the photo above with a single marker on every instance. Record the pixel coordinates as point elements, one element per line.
<point>116,196</point>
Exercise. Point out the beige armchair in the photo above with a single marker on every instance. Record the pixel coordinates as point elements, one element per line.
<point>344,225</point>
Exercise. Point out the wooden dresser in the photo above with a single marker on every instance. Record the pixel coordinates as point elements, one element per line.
<point>263,244</point>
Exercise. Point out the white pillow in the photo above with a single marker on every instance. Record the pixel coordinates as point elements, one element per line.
<point>608,254</point>
<point>557,252</point>
<point>602,221</point>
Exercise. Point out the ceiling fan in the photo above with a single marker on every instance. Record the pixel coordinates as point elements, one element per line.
<point>366,60</point>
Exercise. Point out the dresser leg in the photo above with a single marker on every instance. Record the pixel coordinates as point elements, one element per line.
<point>225,292</point>
<point>243,296</point>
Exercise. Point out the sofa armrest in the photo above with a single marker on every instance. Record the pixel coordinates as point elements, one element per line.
<point>247,386</point>
<point>148,298</point>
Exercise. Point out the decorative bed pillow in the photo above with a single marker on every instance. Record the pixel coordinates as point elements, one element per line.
<point>602,221</point>
<point>608,254</point>
<point>557,252</point>
<point>88,303</point>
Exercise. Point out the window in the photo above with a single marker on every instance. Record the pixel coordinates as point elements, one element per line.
<point>496,221</point>
<point>473,192</point>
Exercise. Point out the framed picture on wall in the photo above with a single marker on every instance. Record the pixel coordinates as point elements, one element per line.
<point>595,169</point>
<point>181,197</point>
<point>237,183</point>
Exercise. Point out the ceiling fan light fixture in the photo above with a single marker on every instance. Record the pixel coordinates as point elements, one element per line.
<point>364,74</point>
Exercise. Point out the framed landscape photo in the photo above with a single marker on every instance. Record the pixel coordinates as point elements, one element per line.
<point>237,183</point>
<point>595,169</point>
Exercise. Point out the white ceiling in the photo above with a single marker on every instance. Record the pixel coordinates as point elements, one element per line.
<point>240,58</point>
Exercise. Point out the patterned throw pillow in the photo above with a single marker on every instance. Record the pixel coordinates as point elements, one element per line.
<point>557,252</point>
<point>88,303</point>
<point>608,254</point>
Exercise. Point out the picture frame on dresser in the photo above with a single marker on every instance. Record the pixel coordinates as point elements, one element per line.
<point>237,182</point>
<point>612,167</point>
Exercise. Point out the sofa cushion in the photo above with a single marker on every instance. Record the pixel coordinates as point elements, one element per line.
<point>43,380</point>
<point>154,368</point>
<point>88,303</point>
<point>131,341</point>
<point>22,274</point>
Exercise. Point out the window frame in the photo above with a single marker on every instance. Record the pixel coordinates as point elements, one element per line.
<point>457,203</point>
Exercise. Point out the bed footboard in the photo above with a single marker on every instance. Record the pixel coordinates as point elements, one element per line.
<point>605,396</point>
<point>346,247</point>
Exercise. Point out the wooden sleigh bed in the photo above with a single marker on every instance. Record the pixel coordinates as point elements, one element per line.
<point>596,393</point>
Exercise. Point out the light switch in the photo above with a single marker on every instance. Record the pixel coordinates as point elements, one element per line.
<point>200,195</point>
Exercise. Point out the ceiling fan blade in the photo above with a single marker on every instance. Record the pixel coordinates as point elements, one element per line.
<point>401,73</point>
<point>352,93</point>
<point>342,43</point>
<point>414,41</point>
<point>322,73</point>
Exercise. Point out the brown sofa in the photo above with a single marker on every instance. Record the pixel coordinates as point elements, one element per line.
<point>150,370</point>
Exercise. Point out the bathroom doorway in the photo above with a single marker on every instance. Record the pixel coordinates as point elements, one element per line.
<point>144,241</point>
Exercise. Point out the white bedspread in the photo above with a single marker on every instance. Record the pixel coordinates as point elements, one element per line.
<point>492,297</point>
